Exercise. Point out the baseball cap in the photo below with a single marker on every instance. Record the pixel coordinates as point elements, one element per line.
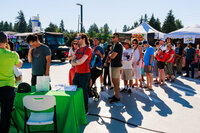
<point>163,39</point>
<point>144,42</point>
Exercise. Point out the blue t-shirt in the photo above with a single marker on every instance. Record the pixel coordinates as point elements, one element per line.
<point>99,63</point>
<point>149,51</point>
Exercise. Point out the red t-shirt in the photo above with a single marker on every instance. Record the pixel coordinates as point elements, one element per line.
<point>85,67</point>
<point>161,57</point>
<point>169,53</point>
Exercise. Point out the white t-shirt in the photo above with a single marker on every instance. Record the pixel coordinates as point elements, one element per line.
<point>127,58</point>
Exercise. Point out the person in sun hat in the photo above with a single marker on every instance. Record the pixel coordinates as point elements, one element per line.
<point>127,66</point>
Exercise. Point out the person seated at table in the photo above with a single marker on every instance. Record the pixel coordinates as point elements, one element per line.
<point>81,61</point>
<point>8,60</point>
<point>40,57</point>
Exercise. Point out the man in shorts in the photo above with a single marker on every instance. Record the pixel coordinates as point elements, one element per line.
<point>148,64</point>
<point>116,65</point>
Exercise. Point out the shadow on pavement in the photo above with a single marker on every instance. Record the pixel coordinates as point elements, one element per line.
<point>176,97</point>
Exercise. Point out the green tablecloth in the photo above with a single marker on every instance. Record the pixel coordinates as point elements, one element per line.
<point>69,106</point>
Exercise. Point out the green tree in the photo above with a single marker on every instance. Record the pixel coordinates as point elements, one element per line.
<point>152,21</point>
<point>157,25</point>
<point>62,27</point>
<point>135,24</point>
<point>179,24</point>
<point>21,22</point>
<point>145,18</point>
<point>29,27</point>
<point>51,28</point>
<point>1,26</point>
<point>10,27</point>
<point>93,28</point>
<point>6,26</point>
<point>15,27</point>
<point>125,28</point>
<point>141,19</point>
<point>169,24</point>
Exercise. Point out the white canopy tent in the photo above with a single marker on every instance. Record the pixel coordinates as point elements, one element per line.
<point>145,28</point>
<point>187,31</point>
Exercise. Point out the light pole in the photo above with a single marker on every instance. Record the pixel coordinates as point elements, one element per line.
<point>81,15</point>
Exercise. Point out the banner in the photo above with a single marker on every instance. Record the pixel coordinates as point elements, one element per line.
<point>189,39</point>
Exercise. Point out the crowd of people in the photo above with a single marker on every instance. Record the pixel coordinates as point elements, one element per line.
<point>124,60</point>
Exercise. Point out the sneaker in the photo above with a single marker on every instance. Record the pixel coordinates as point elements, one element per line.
<point>115,100</point>
<point>129,91</point>
<point>123,90</point>
<point>148,89</point>
<point>112,97</point>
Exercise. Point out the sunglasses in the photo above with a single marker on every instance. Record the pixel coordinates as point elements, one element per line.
<point>75,44</point>
<point>113,36</point>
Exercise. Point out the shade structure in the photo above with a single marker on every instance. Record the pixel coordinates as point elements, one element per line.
<point>193,30</point>
<point>145,28</point>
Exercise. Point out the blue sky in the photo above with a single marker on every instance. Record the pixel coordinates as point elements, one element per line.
<point>114,12</point>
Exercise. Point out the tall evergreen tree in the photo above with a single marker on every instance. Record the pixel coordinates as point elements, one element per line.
<point>157,25</point>
<point>169,24</point>
<point>15,27</point>
<point>21,22</point>
<point>10,27</point>
<point>141,19</point>
<point>179,24</point>
<point>135,24</point>
<point>51,28</point>
<point>1,26</point>
<point>93,28</point>
<point>152,21</point>
<point>62,27</point>
<point>29,27</point>
<point>145,18</point>
<point>124,28</point>
<point>6,26</point>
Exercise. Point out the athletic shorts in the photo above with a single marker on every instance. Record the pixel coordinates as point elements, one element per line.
<point>126,74</point>
<point>161,65</point>
<point>115,72</point>
<point>146,69</point>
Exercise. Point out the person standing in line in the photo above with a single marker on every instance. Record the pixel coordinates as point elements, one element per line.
<point>198,58</point>
<point>81,61</point>
<point>74,47</point>
<point>106,68</point>
<point>99,52</point>
<point>127,66</point>
<point>116,65</point>
<point>155,68</point>
<point>137,62</point>
<point>190,59</point>
<point>11,44</point>
<point>161,57</point>
<point>178,57</point>
<point>40,57</point>
<point>8,60</point>
<point>148,64</point>
<point>170,62</point>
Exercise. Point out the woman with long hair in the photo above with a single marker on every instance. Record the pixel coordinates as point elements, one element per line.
<point>74,47</point>
<point>137,62</point>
